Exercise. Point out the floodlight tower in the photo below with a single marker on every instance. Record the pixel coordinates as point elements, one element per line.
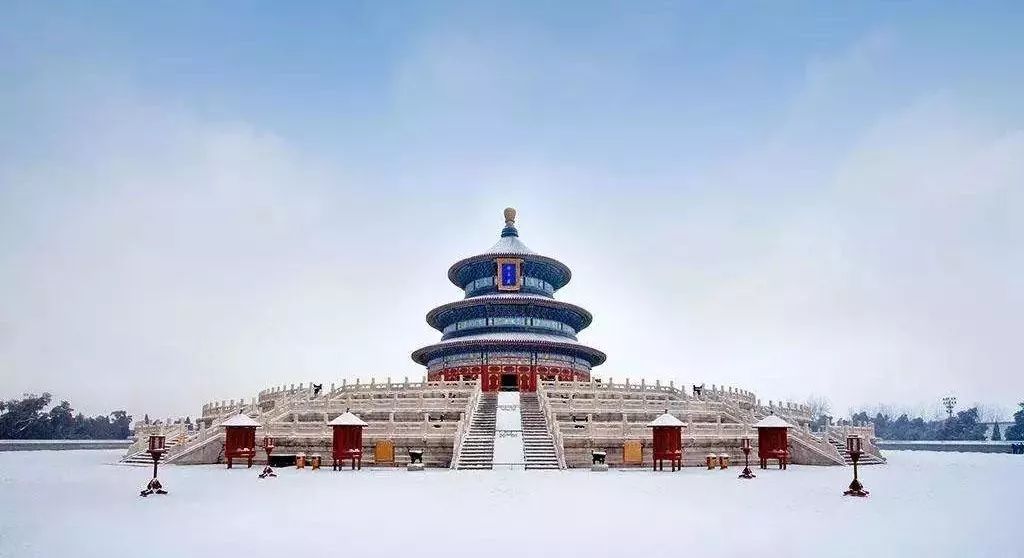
<point>949,402</point>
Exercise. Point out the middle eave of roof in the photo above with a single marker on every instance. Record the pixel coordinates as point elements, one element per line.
<point>509,299</point>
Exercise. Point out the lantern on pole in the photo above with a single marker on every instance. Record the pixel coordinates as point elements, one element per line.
<point>268,446</point>
<point>853,446</point>
<point>157,447</point>
<point>746,447</point>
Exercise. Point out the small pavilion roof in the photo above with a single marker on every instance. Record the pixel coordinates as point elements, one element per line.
<point>665,419</point>
<point>241,419</point>
<point>772,421</point>
<point>347,419</point>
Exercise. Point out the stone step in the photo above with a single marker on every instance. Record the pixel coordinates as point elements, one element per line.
<point>477,449</point>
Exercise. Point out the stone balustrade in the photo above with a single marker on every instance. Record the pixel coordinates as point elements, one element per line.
<point>275,396</point>
<point>714,392</point>
<point>411,414</point>
<point>373,385</point>
<point>637,430</point>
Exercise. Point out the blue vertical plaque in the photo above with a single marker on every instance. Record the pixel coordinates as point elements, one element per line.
<point>508,275</point>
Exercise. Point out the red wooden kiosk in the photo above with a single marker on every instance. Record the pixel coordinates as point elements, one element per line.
<point>668,441</point>
<point>773,440</point>
<point>348,440</point>
<point>240,438</point>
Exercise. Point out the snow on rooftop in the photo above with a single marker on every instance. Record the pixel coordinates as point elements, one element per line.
<point>347,419</point>
<point>511,336</point>
<point>772,421</point>
<point>509,245</point>
<point>241,419</point>
<point>665,420</point>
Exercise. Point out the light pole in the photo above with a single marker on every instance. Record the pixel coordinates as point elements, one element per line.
<point>949,403</point>
<point>268,446</point>
<point>747,473</point>
<point>853,445</point>
<point>157,447</point>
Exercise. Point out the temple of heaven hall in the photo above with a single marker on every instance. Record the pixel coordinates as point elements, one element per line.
<point>509,356</point>
<point>509,331</point>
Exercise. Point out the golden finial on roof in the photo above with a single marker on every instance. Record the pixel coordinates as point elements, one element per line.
<point>510,216</point>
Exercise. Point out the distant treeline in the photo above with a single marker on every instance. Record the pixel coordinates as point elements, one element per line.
<point>963,425</point>
<point>26,419</point>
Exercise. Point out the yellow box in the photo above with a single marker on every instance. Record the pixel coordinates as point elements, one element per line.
<point>384,451</point>
<point>632,453</point>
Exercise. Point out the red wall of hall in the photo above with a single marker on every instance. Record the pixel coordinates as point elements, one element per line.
<point>492,373</point>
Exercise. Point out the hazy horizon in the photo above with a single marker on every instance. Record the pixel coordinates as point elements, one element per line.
<point>201,201</point>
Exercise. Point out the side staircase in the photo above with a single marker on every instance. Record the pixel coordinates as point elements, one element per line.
<point>865,458</point>
<point>538,445</point>
<point>477,449</point>
<point>144,458</point>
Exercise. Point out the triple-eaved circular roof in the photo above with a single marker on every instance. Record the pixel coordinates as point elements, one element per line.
<point>495,337</point>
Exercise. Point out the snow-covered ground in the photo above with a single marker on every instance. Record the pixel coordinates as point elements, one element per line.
<point>72,503</point>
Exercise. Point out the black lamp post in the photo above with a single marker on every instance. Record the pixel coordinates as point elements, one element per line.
<point>157,447</point>
<point>745,446</point>
<point>268,446</point>
<point>853,445</point>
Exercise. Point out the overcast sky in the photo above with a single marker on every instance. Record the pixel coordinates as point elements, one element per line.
<point>200,200</point>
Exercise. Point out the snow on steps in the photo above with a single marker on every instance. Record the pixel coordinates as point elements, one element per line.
<point>865,458</point>
<point>180,446</point>
<point>144,458</point>
<point>477,448</point>
<point>538,445</point>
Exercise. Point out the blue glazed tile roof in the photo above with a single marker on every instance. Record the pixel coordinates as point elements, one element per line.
<point>512,298</point>
<point>511,246</point>
<point>511,337</point>
<point>533,341</point>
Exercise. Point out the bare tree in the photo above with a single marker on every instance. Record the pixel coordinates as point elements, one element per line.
<point>819,406</point>
<point>991,413</point>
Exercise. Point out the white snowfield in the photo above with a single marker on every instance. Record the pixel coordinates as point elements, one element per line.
<point>64,503</point>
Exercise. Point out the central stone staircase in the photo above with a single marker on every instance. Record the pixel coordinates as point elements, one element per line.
<point>477,449</point>
<point>865,458</point>
<point>538,445</point>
